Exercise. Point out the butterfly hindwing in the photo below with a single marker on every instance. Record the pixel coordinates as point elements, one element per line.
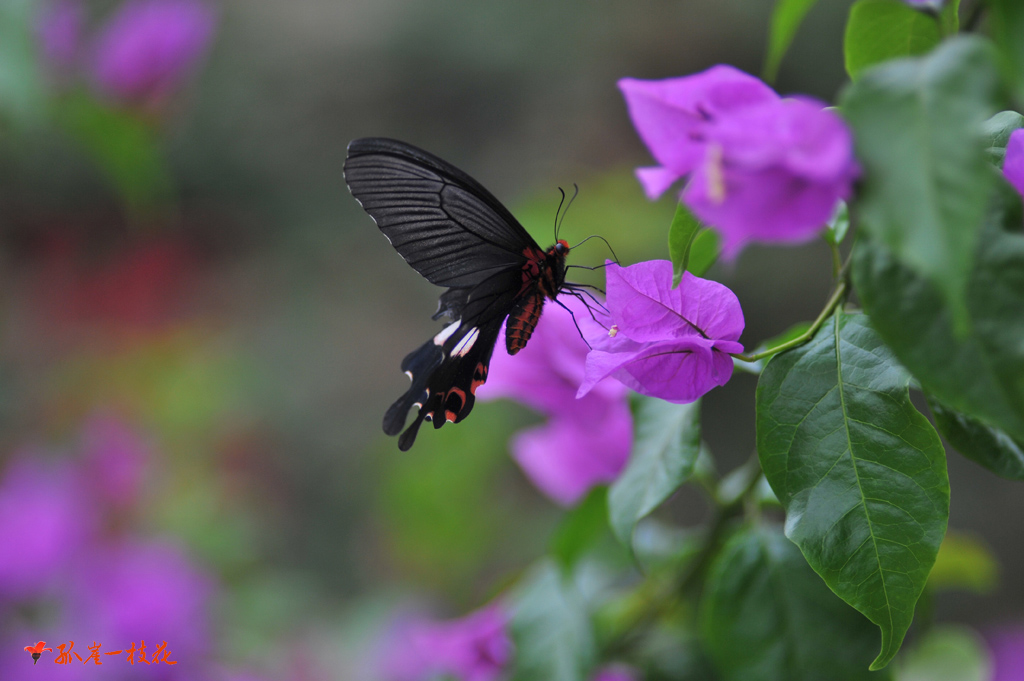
<point>446,370</point>
<point>445,378</point>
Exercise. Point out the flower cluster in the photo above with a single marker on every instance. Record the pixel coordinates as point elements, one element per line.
<point>674,344</point>
<point>141,56</point>
<point>669,343</point>
<point>474,648</point>
<point>477,647</point>
<point>82,573</point>
<point>585,442</point>
<point>760,167</point>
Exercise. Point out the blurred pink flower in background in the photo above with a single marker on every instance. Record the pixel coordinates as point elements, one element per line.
<point>116,459</point>
<point>585,442</point>
<point>761,168</point>
<point>151,591</point>
<point>149,48</point>
<point>474,648</point>
<point>1007,648</point>
<point>59,31</point>
<point>45,522</point>
<point>1013,162</point>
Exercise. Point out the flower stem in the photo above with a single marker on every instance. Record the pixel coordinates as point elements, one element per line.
<point>833,302</point>
<point>837,260</point>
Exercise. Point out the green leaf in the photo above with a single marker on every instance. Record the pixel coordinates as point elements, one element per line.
<point>950,17</point>
<point>946,654</point>
<point>582,528</point>
<point>786,19</point>
<point>997,131</point>
<point>703,252</point>
<point>681,234</point>
<point>917,126</point>
<point>664,453</point>
<point>1007,28</point>
<point>767,617</point>
<point>964,563</point>
<point>880,30</point>
<point>981,374</point>
<point>839,225</point>
<point>981,443</point>
<point>550,628</point>
<point>691,247</point>
<point>124,147</point>
<point>860,472</point>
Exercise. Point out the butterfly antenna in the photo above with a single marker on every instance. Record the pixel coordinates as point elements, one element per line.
<point>562,192</point>
<point>615,258</point>
<point>575,193</point>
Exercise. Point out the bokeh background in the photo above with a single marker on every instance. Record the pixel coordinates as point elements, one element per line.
<point>200,330</point>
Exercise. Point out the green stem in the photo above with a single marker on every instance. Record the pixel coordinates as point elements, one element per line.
<point>660,599</point>
<point>719,526</point>
<point>833,302</point>
<point>837,260</point>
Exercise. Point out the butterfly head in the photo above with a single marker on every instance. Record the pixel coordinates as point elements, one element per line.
<point>561,247</point>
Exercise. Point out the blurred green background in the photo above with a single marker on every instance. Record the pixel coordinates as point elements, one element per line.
<point>202,273</point>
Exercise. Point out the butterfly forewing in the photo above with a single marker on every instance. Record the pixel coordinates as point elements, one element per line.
<point>456,234</point>
<point>444,223</point>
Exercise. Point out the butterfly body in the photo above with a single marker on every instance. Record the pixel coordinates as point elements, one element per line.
<point>453,231</point>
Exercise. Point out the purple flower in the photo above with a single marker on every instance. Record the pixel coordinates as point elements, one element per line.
<point>474,648</point>
<point>150,47</point>
<point>146,591</point>
<point>59,30</point>
<point>926,4</point>
<point>585,442</point>
<point>664,342</point>
<point>673,116</point>
<point>1013,162</point>
<point>45,520</point>
<point>116,458</point>
<point>1007,648</point>
<point>761,168</point>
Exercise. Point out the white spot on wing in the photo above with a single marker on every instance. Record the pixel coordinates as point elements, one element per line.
<point>466,343</point>
<point>409,374</point>
<point>447,332</point>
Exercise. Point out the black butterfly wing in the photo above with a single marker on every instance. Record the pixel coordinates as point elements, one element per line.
<point>443,222</point>
<point>456,234</point>
<point>447,369</point>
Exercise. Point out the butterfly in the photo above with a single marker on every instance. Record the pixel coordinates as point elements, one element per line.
<point>457,235</point>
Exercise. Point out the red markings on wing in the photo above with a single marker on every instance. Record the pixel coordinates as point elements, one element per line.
<point>479,377</point>
<point>454,407</point>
